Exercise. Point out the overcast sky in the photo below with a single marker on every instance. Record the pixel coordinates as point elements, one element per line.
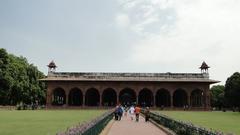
<point>124,35</point>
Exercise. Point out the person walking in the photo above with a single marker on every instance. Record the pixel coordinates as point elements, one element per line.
<point>147,114</point>
<point>137,112</point>
<point>125,111</point>
<point>131,112</point>
<point>120,112</point>
<point>116,112</point>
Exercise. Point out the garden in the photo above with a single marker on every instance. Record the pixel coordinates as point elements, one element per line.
<point>227,122</point>
<point>43,122</point>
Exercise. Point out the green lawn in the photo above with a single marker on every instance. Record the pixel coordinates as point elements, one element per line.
<point>42,122</point>
<point>228,122</point>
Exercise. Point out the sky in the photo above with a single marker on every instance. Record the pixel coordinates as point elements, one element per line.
<point>124,35</point>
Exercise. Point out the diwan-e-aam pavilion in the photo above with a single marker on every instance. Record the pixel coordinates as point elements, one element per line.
<point>168,90</point>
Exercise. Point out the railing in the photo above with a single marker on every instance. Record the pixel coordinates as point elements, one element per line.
<point>102,75</point>
<point>179,127</point>
<point>93,127</point>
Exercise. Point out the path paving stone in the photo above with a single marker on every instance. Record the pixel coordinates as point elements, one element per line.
<point>128,127</point>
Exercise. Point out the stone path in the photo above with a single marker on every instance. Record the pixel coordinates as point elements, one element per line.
<point>128,127</point>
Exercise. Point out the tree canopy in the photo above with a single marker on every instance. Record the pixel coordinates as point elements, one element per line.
<point>19,81</point>
<point>232,90</point>
<point>217,96</point>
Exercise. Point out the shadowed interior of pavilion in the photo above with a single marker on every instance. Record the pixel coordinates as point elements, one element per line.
<point>127,97</point>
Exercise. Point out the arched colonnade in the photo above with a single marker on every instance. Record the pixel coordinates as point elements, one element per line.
<point>127,96</point>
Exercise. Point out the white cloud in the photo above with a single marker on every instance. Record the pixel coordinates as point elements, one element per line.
<point>189,31</point>
<point>148,16</point>
<point>122,20</point>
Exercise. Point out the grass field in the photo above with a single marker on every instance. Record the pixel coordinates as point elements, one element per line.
<point>228,122</point>
<point>42,122</point>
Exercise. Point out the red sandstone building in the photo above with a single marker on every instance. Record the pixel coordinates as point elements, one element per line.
<point>168,90</point>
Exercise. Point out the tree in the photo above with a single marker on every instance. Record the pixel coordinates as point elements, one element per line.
<point>4,82</point>
<point>232,90</point>
<point>217,96</point>
<point>19,81</point>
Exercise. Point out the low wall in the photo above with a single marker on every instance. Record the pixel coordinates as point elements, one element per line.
<point>7,107</point>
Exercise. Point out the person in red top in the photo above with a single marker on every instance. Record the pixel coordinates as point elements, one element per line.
<point>137,112</point>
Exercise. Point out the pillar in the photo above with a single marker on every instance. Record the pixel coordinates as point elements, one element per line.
<point>49,98</point>
<point>188,100</point>
<point>66,92</point>
<point>100,94</point>
<point>83,101</point>
<point>154,100</point>
<point>117,98</point>
<point>137,98</point>
<point>207,100</point>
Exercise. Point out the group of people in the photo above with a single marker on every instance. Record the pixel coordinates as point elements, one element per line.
<point>132,111</point>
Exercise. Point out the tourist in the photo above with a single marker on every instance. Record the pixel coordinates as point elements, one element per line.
<point>147,114</point>
<point>137,112</point>
<point>131,112</point>
<point>120,112</point>
<point>125,111</point>
<point>116,112</point>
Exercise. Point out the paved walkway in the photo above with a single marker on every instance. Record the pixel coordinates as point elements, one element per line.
<point>128,127</point>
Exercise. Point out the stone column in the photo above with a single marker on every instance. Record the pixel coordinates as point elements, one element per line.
<point>100,101</point>
<point>202,100</point>
<point>49,98</point>
<point>67,92</point>
<point>137,98</point>
<point>188,100</point>
<point>83,100</point>
<point>171,100</point>
<point>154,100</point>
<point>117,98</point>
<point>207,100</point>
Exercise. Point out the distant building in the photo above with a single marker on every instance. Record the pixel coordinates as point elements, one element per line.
<point>168,90</point>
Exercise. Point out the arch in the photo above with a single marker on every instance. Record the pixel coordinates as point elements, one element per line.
<point>75,97</point>
<point>92,97</point>
<point>127,97</point>
<point>109,97</point>
<point>58,97</point>
<point>197,98</point>
<point>145,98</point>
<point>163,98</point>
<point>179,98</point>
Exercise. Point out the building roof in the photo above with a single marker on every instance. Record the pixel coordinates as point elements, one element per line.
<point>154,77</point>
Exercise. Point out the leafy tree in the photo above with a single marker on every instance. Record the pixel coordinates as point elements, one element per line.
<point>232,90</point>
<point>19,81</point>
<point>217,96</point>
<point>4,83</point>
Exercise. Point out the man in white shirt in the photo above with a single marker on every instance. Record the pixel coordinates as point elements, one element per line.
<point>131,112</point>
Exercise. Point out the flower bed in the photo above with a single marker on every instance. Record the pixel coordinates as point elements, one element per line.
<point>180,127</point>
<point>93,127</point>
